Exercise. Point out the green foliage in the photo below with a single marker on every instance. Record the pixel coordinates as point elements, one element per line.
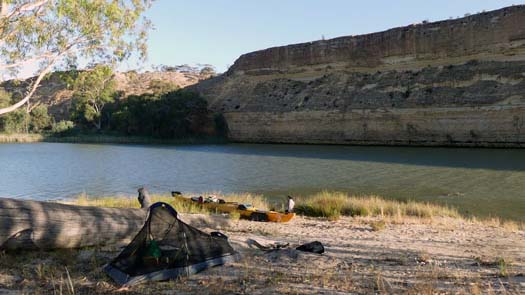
<point>5,98</point>
<point>168,116</point>
<point>16,122</point>
<point>57,33</point>
<point>69,78</point>
<point>93,90</point>
<point>63,127</point>
<point>20,121</point>
<point>40,119</point>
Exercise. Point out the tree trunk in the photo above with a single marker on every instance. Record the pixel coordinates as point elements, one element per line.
<point>46,225</point>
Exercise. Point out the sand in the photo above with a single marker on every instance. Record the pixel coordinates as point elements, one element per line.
<point>440,255</point>
<point>411,256</point>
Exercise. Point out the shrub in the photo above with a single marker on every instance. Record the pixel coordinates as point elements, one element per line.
<point>40,119</point>
<point>16,122</point>
<point>63,127</point>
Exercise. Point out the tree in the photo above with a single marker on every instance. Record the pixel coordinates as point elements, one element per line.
<point>94,89</point>
<point>5,98</point>
<point>56,33</point>
<point>208,71</point>
<point>40,119</point>
<point>16,122</point>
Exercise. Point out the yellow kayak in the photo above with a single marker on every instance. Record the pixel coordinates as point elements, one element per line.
<point>246,211</point>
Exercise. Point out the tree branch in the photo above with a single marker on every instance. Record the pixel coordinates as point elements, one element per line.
<point>24,8</point>
<point>30,60</point>
<point>3,8</point>
<point>37,82</point>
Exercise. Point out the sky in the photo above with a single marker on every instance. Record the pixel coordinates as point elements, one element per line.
<point>217,32</point>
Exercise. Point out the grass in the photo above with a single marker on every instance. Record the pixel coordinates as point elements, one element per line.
<point>508,225</point>
<point>21,138</point>
<point>378,225</point>
<point>183,207</point>
<point>127,202</point>
<point>503,265</point>
<point>102,138</point>
<point>332,205</point>
<point>329,205</point>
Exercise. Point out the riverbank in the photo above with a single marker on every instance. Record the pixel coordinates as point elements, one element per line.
<point>330,205</point>
<point>364,254</point>
<point>103,138</point>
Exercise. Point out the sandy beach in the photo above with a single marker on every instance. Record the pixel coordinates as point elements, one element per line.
<point>363,256</point>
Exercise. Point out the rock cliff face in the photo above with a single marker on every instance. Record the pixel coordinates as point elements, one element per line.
<point>456,82</point>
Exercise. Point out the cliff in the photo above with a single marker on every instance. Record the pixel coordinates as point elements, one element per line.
<point>455,82</point>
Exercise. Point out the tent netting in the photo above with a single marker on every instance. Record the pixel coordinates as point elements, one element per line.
<point>166,248</point>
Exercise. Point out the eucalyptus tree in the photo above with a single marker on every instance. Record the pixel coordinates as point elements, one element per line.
<point>55,34</point>
<point>94,88</point>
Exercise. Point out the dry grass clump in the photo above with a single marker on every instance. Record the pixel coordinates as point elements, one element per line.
<point>234,215</point>
<point>334,204</point>
<point>501,263</point>
<point>20,138</point>
<point>509,225</point>
<point>378,225</point>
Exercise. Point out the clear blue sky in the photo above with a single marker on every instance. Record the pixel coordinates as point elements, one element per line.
<point>219,31</point>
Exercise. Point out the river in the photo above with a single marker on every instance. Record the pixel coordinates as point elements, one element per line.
<point>485,182</point>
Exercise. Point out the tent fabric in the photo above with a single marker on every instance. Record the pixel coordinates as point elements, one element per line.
<point>166,248</point>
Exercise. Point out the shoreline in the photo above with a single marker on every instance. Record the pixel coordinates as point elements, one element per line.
<point>124,139</point>
<point>104,139</point>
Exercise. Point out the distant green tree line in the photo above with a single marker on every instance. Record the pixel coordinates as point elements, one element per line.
<point>98,108</point>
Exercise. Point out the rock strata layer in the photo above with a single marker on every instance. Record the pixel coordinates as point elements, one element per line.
<point>455,82</point>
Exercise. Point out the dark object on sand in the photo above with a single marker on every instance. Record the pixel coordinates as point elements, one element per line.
<point>167,248</point>
<point>314,247</point>
<point>28,225</point>
<point>270,247</point>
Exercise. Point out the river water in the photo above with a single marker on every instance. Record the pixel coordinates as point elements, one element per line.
<point>477,181</point>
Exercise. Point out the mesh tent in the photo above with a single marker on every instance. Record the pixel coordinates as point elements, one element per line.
<point>166,248</point>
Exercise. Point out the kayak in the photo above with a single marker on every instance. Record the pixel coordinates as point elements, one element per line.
<point>246,211</point>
